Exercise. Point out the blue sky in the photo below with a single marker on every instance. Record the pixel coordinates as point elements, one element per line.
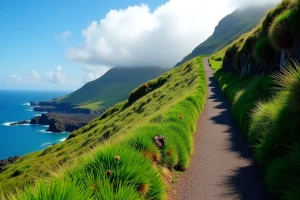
<point>29,37</point>
<point>62,44</point>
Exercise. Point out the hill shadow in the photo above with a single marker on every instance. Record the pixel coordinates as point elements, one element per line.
<point>245,182</point>
<point>237,140</point>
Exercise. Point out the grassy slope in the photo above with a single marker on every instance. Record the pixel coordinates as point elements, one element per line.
<point>93,107</point>
<point>277,31</point>
<point>240,22</point>
<point>170,109</point>
<point>268,117</point>
<point>271,124</point>
<point>113,87</point>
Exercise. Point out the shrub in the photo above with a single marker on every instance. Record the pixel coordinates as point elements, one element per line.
<point>146,88</point>
<point>263,50</point>
<point>280,31</point>
<point>131,170</point>
<point>56,189</point>
<point>219,59</point>
<point>263,119</point>
<point>289,80</point>
<point>138,93</point>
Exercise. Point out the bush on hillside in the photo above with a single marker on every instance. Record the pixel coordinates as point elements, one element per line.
<point>146,88</point>
<point>138,93</point>
<point>280,31</point>
<point>119,167</point>
<point>263,50</point>
<point>265,26</point>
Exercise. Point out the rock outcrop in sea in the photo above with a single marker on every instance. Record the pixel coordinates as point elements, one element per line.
<point>8,161</point>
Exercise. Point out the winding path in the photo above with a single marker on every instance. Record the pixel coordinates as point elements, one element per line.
<point>222,166</point>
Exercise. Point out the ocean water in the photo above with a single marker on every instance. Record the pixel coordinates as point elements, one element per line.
<point>23,139</point>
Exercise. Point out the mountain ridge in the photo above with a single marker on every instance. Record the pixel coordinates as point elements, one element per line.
<point>241,20</point>
<point>114,86</point>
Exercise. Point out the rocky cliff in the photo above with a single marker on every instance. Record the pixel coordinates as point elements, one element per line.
<point>8,161</point>
<point>59,122</point>
<point>247,66</point>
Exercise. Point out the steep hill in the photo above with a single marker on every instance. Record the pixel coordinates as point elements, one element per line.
<point>267,47</point>
<point>115,156</point>
<point>114,86</point>
<point>229,28</point>
<point>267,106</point>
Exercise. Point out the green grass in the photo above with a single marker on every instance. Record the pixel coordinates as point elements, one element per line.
<point>94,107</point>
<point>114,156</point>
<point>267,110</point>
<point>263,50</point>
<point>113,87</point>
<point>278,30</point>
<point>130,171</point>
<point>58,190</point>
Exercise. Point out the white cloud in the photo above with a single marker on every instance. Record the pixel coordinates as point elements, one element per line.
<point>137,36</point>
<point>64,36</point>
<point>56,77</point>
<point>94,72</point>
<point>33,76</point>
<point>16,78</point>
<point>245,3</point>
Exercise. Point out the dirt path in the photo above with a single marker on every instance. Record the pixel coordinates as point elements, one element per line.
<point>221,167</point>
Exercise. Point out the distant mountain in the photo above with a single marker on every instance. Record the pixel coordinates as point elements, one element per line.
<point>111,88</point>
<point>229,29</point>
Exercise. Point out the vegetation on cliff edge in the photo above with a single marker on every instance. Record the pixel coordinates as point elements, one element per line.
<point>115,157</point>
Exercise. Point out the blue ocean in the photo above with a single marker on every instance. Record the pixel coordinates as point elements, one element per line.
<point>23,139</point>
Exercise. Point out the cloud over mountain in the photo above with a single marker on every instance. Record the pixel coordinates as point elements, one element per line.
<point>245,3</point>
<point>138,36</point>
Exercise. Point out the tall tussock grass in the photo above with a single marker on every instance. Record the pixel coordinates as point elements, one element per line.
<point>132,168</point>
<point>268,111</point>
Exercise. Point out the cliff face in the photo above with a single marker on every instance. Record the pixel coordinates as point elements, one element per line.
<point>8,161</point>
<point>249,67</point>
<point>59,122</point>
<point>274,43</point>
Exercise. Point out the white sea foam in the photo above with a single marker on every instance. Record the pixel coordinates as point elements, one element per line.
<point>44,131</point>
<point>26,104</point>
<point>63,139</point>
<point>7,123</point>
<point>24,125</point>
<point>37,115</point>
<point>47,144</point>
<point>47,126</point>
<point>30,110</point>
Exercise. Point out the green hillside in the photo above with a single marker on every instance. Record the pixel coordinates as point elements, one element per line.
<point>114,156</point>
<point>111,88</point>
<point>278,32</point>
<point>267,107</point>
<point>229,29</point>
